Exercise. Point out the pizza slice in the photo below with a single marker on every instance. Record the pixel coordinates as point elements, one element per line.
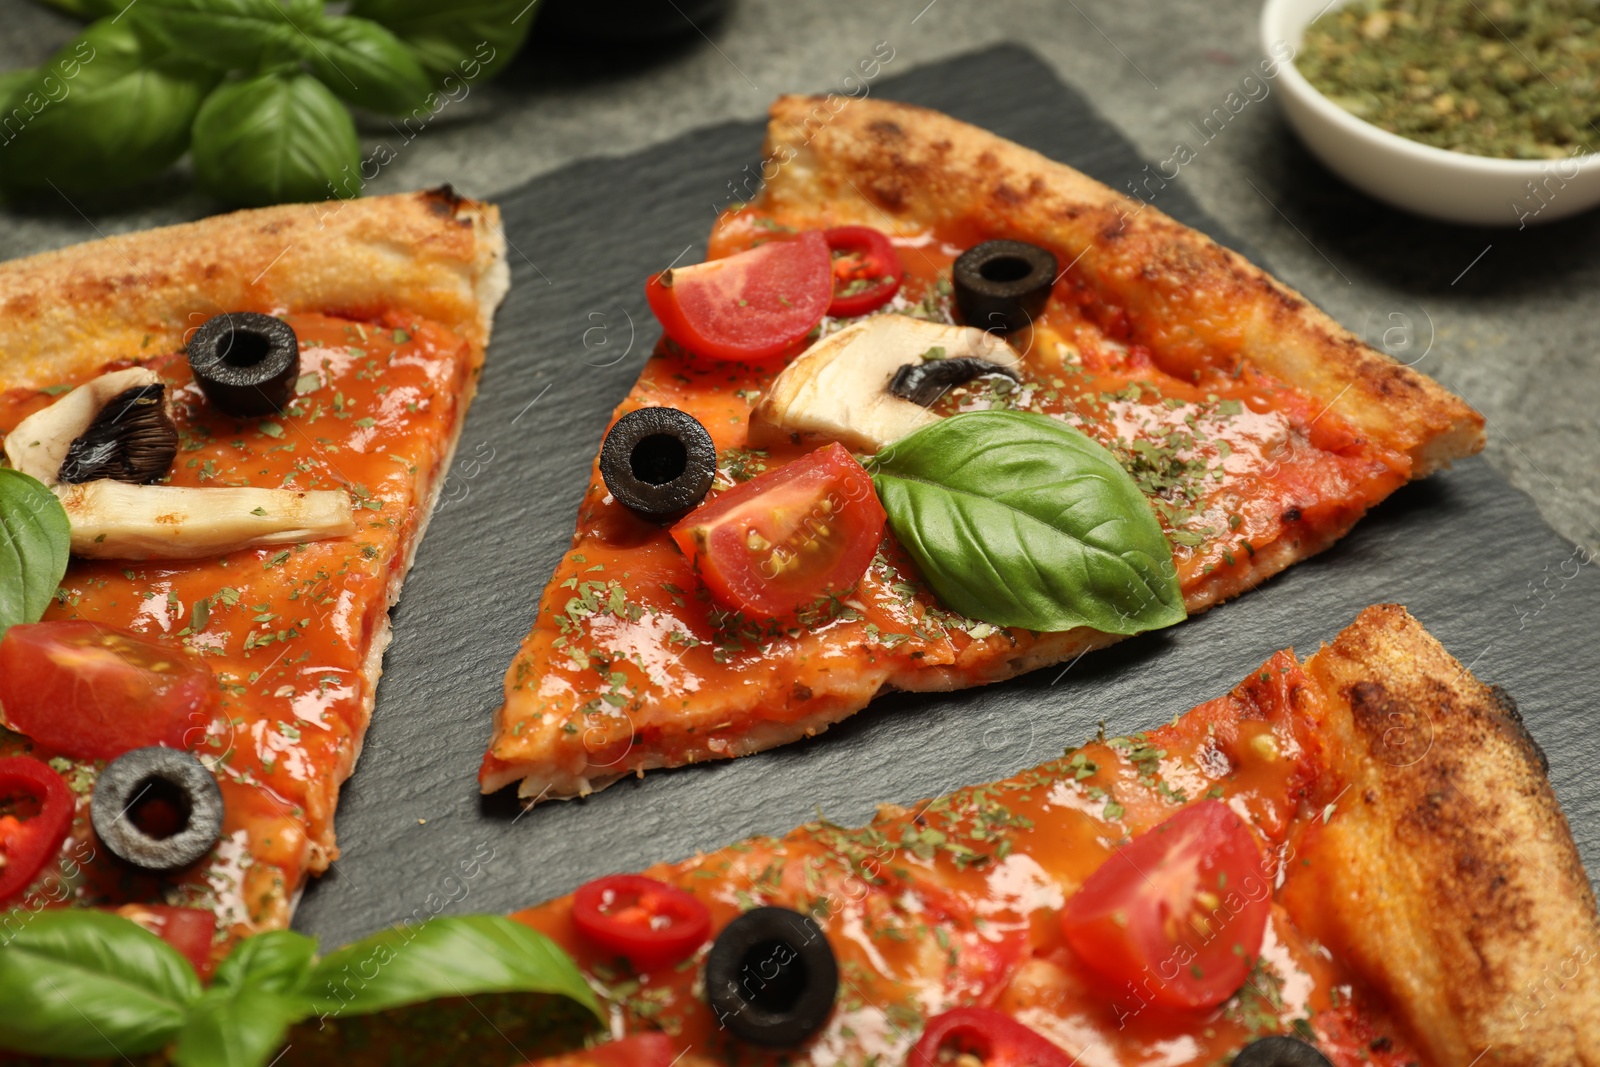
<point>248,420</point>
<point>1351,859</point>
<point>1075,418</point>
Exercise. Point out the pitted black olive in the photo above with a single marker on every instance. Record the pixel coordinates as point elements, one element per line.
<point>157,809</point>
<point>658,462</point>
<point>1280,1052</point>
<point>771,977</point>
<point>246,363</point>
<point>133,439</point>
<point>1003,285</point>
<point>923,383</point>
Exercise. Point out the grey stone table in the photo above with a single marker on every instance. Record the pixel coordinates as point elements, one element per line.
<point>1509,315</point>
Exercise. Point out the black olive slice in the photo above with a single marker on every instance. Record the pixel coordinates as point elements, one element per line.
<point>771,978</point>
<point>923,383</point>
<point>132,440</point>
<point>246,362</point>
<point>658,461</point>
<point>157,808</point>
<point>1002,285</point>
<point>1280,1052</point>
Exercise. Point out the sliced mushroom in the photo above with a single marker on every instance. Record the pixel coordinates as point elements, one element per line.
<point>924,382</point>
<point>132,440</point>
<point>112,520</point>
<point>41,442</point>
<point>839,388</point>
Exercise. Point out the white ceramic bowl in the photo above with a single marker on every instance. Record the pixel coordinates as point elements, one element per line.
<point>1429,181</point>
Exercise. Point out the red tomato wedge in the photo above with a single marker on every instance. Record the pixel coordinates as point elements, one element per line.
<point>1179,912</point>
<point>650,923</point>
<point>993,1038</point>
<point>35,815</point>
<point>93,692</point>
<point>787,538</point>
<point>749,306</point>
<point>189,930</point>
<point>866,270</point>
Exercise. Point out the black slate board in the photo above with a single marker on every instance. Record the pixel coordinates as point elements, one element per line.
<point>1466,552</point>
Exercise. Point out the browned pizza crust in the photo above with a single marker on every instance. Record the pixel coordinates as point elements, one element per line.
<point>899,167</point>
<point>1448,873</point>
<point>68,312</point>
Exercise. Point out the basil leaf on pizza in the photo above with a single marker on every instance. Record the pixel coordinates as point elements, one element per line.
<point>450,956</point>
<point>230,1029</point>
<point>35,539</point>
<point>273,138</point>
<point>1018,519</point>
<point>367,65</point>
<point>90,985</point>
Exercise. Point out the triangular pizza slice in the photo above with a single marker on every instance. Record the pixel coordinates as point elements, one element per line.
<point>1351,858</point>
<point>936,411</point>
<point>247,420</point>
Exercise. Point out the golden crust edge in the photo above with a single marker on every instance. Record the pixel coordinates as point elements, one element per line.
<point>1451,877</point>
<point>67,312</point>
<point>915,167</point>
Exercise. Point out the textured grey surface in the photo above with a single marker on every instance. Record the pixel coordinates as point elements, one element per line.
<point>1509,330</point>
<point>1438,546</point>
<point>1513,335</point>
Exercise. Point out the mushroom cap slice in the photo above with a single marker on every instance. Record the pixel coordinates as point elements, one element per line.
<point>838,389</point>
<point>114,520</point>
<point>39,444</point>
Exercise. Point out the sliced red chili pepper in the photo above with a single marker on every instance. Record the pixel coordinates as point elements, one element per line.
<point>30,840</point>
<point>996,1039</point>
<point>866,270</point>
<point>651,923</point>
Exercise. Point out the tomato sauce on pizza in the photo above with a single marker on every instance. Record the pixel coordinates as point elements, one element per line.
<point>288,632</point>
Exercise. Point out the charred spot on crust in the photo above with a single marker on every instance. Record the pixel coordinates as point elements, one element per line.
<point>445,202</point>
<point>885,128</point>
<point>1291,515</point>
<point>1507,706</point>
<point>800,693</point>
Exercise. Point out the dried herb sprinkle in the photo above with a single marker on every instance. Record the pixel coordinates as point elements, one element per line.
<point>1513,80</point>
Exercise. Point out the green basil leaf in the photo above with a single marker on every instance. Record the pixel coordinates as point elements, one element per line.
<point>108,109</point>
<point>35,543</point>
<point>228,34</point>
<point>452,956</point>
<point>467,40</point>
<point>232,1029</point>
<point>90,985</point>
<point>273,138</point>
<point>278,961</point>
<point>1019,520</point>
<point>368,66</point>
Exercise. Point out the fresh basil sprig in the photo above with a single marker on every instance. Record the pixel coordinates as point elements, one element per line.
<point>1019,520</point>
<point>123,101</point>
<point>84,984</point>
<point>35,543</point>
<point>107,103</point>
<point>272,138</point>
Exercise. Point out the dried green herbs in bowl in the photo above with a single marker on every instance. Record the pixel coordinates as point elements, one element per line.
<point>1508,79</point>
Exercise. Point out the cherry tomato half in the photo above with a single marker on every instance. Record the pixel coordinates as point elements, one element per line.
<point>748,306</point>
<point>994,1038</point>
<point>189,930</point>
<point>93,692</point>
<point>788,537</point>
<point>1179,911</point>
<point>35,815</point>
<point>651,923</point>
<point>866,270</point>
